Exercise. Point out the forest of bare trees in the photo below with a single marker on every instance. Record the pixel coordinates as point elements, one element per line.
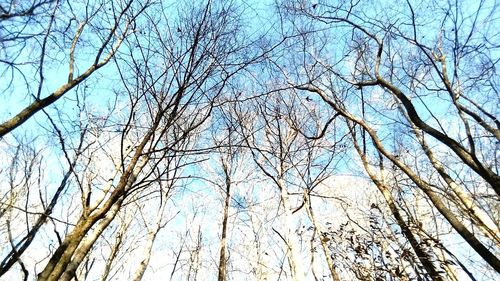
<point>231,140</point>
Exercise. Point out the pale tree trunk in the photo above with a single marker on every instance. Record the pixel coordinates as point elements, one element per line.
<point>323,241</point>
<point>434,197</point>
<point>260,264</point>
<point>139,272</point>
<point>292,241</point>
<point>86,244</point>
<point>114,251</point>
<point>450,271</point>
<point>194,259</point>
<point>422,255</point>
<point>62,255</point>
<point>150,240</point>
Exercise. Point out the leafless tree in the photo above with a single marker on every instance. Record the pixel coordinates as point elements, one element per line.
<point>393,73</point>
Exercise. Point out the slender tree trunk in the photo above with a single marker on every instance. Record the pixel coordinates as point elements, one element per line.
<point>450,271</point>
<point>223,242</point>
<point>114,251</point>
<point>194,259</point>
<point>143,265</point>
<point>260,264</point>
<point>461,229</point>
<point>324,246</point>
<point>292,241</point>
<point>150,240</point>
<point>18,249</point>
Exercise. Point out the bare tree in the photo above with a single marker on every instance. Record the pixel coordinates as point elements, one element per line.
<point>290,162</point>
<point>170,81</point>
<point>228,157</point>
<point>387,75</point>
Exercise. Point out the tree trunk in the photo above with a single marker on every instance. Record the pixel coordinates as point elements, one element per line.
<point>292,241</point>
<point>324,246</point>
<point>139,273</point>
<point>222,255</point>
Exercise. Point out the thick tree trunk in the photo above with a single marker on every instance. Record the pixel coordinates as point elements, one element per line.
<point>76,243</point>
<point>69,269</point>
<point>459,227</point>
